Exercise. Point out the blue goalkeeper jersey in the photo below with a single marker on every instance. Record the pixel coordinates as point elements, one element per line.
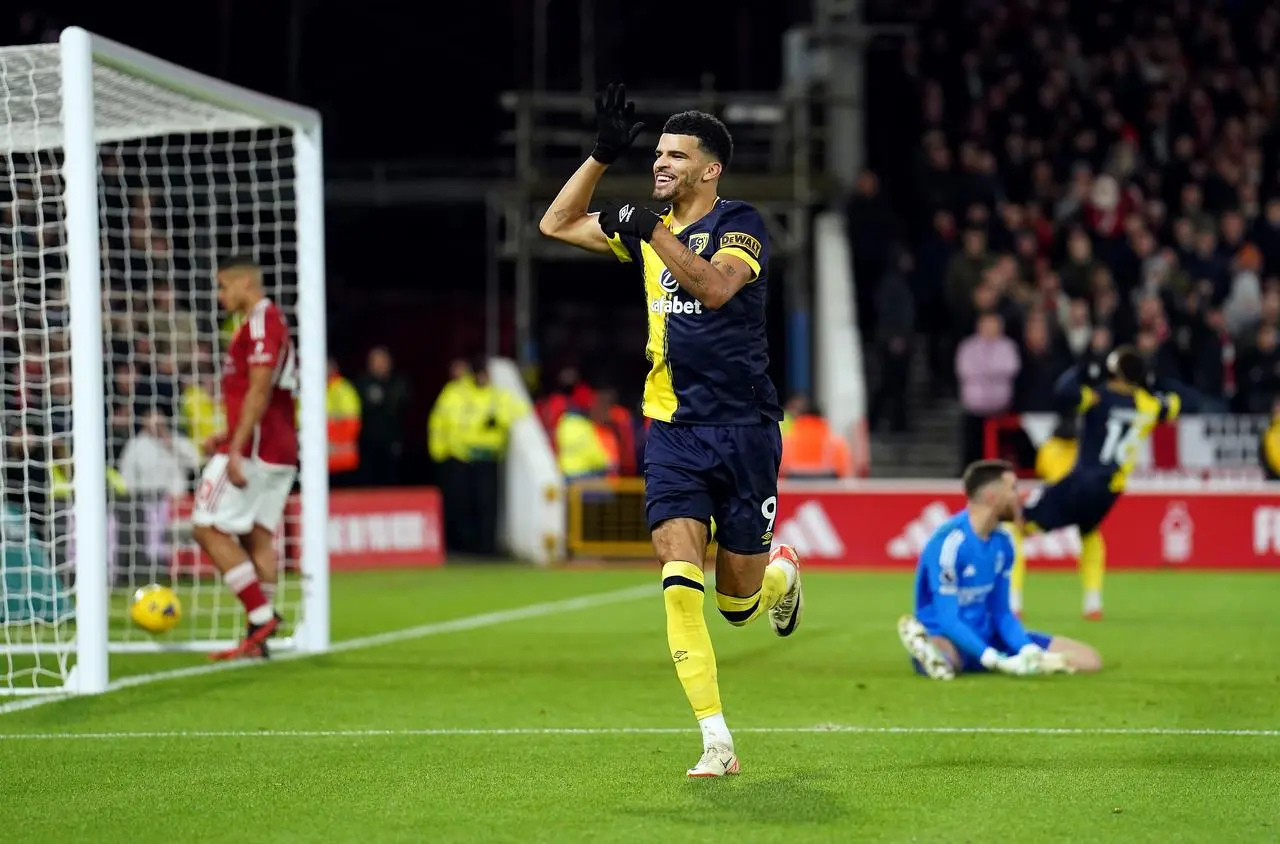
<point>962,588</point>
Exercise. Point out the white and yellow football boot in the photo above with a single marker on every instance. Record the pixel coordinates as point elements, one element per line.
<point>917,642</point>
<point>718,760</point>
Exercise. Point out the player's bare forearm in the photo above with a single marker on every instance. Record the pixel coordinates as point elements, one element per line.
<point>256,399</point>
<point>567,219</point>
<point>713,283</point>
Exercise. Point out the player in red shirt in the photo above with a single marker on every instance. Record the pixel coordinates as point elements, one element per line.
<point>244,487</point>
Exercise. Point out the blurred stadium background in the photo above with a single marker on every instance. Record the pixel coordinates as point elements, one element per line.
<point>1095,174</point>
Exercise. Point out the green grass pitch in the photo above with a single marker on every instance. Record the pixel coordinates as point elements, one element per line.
<point>565,723</point>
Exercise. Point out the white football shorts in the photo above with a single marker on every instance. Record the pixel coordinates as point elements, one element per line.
<point>235,510</point>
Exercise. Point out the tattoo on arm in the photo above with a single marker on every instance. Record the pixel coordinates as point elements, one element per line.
<point>688,263</point>
<point>562,215</point>
<point>728,269</point>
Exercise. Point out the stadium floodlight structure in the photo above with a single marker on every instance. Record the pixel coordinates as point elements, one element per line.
<point>123,179</point>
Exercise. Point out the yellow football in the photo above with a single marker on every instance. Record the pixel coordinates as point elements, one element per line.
<point>155,608</point>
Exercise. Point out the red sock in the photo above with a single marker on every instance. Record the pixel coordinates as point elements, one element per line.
<point>243,581</point>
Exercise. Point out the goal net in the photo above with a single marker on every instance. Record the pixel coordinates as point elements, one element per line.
<point>111,346</point>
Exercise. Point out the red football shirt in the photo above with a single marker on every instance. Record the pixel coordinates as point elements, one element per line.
<point>263,340</point>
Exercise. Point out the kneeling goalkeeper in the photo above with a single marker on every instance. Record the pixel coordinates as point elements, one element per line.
<point>963,621</point>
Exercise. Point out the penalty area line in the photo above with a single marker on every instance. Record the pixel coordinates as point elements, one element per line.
<point>407,634</point>
<point>444,732</point>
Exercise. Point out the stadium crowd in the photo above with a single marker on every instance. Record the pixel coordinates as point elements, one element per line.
<point>1087,175</point>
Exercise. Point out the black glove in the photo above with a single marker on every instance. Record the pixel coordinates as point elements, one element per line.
<point>628,218</point>
<point>614,129</point>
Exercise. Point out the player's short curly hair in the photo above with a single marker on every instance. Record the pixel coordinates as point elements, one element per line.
<point>1125,363</point>
<point>713,136</point>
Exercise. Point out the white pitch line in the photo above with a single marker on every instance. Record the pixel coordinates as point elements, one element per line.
<point>618,731</point>
<point>421,631</point>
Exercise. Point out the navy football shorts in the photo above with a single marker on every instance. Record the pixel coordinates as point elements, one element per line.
<point>970,664</point>
<point>1082,499</point>
<point>725,472</point>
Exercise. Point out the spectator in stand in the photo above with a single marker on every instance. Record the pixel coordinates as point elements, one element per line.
<point>1093,361</point>
<point>894,331</point>
<point>987,364</point>
<point>965,272</point>
<point>479,420</point>
<point>156,466</point>
<point>1259,372</point>
<point>579,450</point>
<point>796,405</point>
<point>872,228</point>
<point>596,441</point>
<point>157,461</point>
<point>126,405</point>
<point>25,474</point>
<point>810,449</point>
<point>1044,358</point>
<point>342,406</point>
<point>1077,329</point>
<point>449,452</point>
<point>569,390</point>
<point>1266,233</point>
<point>1211,354</point>
<point>1077,273</point>
<point>620,427</point>
<point>202,416</point>
<point>929,284</point>
<point>384,396</point>
<point>174,327</point>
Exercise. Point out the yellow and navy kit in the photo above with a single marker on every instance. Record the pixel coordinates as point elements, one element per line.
<point>1113,424</point>
<point>707,367</point>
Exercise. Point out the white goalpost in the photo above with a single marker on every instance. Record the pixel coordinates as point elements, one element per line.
<point>123,180</point>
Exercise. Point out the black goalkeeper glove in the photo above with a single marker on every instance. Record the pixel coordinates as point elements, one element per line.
<point>615,131</point>
<point>627,218</point>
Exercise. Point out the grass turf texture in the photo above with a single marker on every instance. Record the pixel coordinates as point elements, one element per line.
<point>324,749</point>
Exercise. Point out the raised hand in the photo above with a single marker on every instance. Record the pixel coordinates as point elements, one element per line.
<point>615,126</point>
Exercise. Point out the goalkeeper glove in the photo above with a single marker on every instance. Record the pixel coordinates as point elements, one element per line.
<point>1024,663</point>
<point>990,659</point>
<point>625,218</point>
<point>615,131</point>
<point>1055,663</point>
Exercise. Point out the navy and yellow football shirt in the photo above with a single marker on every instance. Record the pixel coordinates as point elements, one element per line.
<point>707,367</point>
<point>1113,425</point>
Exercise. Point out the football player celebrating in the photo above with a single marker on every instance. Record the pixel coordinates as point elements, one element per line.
<point>714,444</point>
<point>963,621</point>
<point>1114,419</point>
<point>245,485</point>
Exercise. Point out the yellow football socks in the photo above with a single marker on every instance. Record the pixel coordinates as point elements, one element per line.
<point>742,611</point>
<point>1017,577</point>
<point>1093,566</point>
<point>683,591</point>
